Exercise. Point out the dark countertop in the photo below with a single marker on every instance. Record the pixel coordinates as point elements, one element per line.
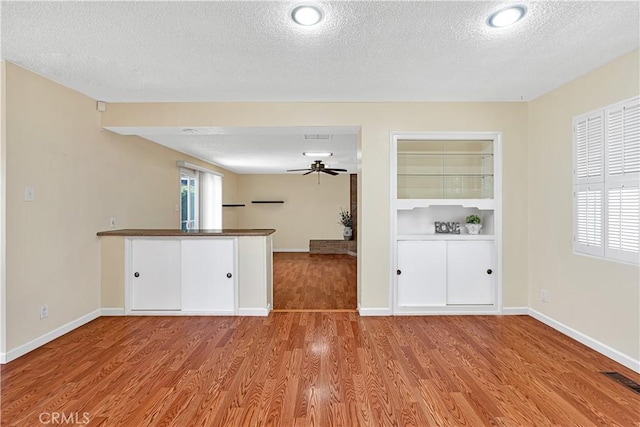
<point>151,232</point>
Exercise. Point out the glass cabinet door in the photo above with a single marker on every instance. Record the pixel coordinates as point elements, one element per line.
<point>445,169</point>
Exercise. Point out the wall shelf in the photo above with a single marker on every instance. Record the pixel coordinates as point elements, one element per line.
<point>266,201</point>
<point>482,204</point>
<point>233,205</point>
<point>445,236</point>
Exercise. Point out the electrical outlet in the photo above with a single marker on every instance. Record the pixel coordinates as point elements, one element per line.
<point>44,311</point>
<point>544,295</point>
<point>177,208</point>
<point>112,221</point>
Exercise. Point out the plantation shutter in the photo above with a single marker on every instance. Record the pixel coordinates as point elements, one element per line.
<point>606,171</point>
<point>622,182</point>
<point>589,148</point>
<point>623,139</point>
<point>623,219</point>
<point>589,178</point>
<point>588,221</point>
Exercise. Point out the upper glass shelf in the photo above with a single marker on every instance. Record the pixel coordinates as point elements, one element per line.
<point>445,169</point>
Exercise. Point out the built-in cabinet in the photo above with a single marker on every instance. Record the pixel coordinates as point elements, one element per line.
<point>442,273</point>
<point>443,178</point>
<point>196,275</point>
<point>194,272</point>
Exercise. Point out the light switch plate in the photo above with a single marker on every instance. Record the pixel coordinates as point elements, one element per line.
<point>29,194</point>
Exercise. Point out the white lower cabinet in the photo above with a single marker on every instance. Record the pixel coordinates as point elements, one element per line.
<point>155,274</point>
<point>196,275</point>
<point>445,273</point>
<point>422,273</point>
<point>470,272</point>
<point>207,275</point>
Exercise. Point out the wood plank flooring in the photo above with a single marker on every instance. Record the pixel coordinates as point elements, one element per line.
<point>303,281</point>
<point>317,369</point>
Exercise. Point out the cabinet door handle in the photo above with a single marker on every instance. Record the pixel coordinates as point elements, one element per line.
<point>229,275</point>
<point>398,272</point>
<point>489,271</point>
<point>136,274</point>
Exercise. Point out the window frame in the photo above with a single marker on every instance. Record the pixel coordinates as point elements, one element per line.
<point>191,174</point>
<point>604,182</point>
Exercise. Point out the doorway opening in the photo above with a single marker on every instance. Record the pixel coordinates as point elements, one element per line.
<point>325,278</point>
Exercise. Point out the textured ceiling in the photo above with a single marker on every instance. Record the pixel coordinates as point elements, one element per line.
<point>362,50</point>
<point>146,51</point>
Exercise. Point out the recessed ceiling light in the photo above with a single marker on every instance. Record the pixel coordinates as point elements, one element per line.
<point>317,154</point>
<point>507,16</point>
<point>306,15</point>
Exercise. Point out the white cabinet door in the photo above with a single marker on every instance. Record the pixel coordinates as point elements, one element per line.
<point>208,275</point>
<point>155,274</point>
<point>423,268</point>
<point>470,272</point>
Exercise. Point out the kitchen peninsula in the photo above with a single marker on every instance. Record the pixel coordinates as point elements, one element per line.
<point>193,272</point>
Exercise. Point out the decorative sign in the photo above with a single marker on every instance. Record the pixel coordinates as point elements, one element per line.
<point>447,227</point>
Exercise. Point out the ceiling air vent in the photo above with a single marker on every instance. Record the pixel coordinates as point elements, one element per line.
<point>317,136</point>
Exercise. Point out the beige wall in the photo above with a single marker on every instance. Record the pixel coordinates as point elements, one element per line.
<point>82,176</point>
<point>598,298</point>
<point>3,169</point>
<point>376,121</point>
<point>310,211</point>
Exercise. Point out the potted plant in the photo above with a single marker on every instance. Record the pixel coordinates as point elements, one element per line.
<point>347,221</point>
<point>473,224</point>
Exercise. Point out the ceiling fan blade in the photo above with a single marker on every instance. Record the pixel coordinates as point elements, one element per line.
<point>335,170</point>
<point>307,173</point>
<point>298,170</point>
<point>329,171</point>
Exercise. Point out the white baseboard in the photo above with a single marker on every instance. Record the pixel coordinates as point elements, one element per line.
<point>431,311</point>
<point>374,311</point>
<point>515,311</point>
<point>592,343</point>
<point>291,250</point>
<point>254,311</point>
<point>49,336</point>
<point>112,311</point>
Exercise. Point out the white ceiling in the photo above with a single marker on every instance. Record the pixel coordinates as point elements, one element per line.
<point>362,51</point>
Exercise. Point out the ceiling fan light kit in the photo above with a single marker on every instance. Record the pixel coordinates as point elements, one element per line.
<point>317,154</point>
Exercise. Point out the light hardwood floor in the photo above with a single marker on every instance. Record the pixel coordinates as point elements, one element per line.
<point>304,281</point>
<point>323,369</point>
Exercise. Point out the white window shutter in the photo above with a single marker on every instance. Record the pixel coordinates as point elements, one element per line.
<point>623,222</point>
<point>623,139</point>
<point>607,182</point>
<point>589,148</point>
<point>588,221</point>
